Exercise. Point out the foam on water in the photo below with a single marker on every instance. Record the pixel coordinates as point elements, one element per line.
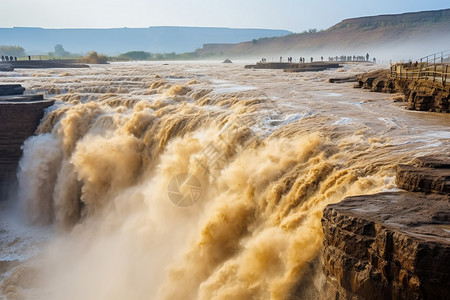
<point>269,150</point>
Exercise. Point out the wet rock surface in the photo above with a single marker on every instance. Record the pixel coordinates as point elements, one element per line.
<point>393,245</point>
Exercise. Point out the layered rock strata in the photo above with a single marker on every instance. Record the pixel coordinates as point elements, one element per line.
<point>392,245</point>
<point>19,117</point>
<point>426,174</point>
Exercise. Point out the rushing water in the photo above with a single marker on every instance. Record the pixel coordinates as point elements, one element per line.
<point>194,180</point>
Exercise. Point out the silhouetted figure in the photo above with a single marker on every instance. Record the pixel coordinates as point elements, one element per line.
<point>321,58</point>
<point>11,58</point>
<point>3,58</point>
<point>367,57</point>
<point>6,58</point>
<point>281,58</point>
<point>375,61</point>
<point>311,59</point>
<point>15,58</point>
<point>29,57</point>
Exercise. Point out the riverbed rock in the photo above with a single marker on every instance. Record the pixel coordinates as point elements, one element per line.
<point>11,89</point>
<point>19,117</point>
<point>426,174</point>
<point>421,94</point>
<point>393,245</point>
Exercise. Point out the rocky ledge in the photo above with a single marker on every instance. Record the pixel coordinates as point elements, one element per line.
<point>19,116</point>
<point>393,245</point>
<point>40,64</point>
<point>295,67</point>
<point>424,95</point>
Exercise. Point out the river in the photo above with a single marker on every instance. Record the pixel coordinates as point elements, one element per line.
<point>194,180</point>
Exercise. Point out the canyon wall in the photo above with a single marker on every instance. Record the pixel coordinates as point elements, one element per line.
<point>392,245</point>
<point>19,117</point>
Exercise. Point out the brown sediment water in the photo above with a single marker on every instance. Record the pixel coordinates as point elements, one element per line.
<point>196,180</point>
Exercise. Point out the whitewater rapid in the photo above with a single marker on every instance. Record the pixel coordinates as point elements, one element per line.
<point>194,180</point>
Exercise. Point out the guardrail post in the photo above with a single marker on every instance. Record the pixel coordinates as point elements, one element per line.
<point>434,73</point>
<point>444,81</point>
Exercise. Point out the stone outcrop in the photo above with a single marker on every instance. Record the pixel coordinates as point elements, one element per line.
<point>11,89</point>
<point>343,79</point>
<point>421,94</point>
<point>392,245</point>
<point>39,64</point>
<point>19,117</point>
<point>377,81</point>
<point>6,68</point>
<point>426,174</point>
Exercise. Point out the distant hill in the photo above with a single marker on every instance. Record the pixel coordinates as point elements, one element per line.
<point>409,35</point>
<point>119,40</point>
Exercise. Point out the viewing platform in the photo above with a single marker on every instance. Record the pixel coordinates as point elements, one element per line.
<point>295,67</point>
<point>425,85</point>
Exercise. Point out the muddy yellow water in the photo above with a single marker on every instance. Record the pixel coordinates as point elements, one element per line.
<point>194,180</point>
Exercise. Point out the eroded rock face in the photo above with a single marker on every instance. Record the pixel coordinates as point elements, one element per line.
<point>392,245</point>
<point>387,246</point>
<point>426,174</point>
<point>19,117</point>
<point>424,95</point>
<point>377,81</point>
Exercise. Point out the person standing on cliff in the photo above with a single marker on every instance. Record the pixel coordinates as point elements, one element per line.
<point>367,57</point>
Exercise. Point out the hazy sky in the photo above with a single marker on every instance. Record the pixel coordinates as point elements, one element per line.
<point>294,15</point>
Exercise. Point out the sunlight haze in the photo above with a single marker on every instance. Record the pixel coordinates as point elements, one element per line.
<point>291,15</point>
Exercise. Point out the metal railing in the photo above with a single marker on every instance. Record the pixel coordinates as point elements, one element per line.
<point>438,57</point>
<point>425,71</point>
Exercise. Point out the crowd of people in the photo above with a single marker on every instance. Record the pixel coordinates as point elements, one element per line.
<point>9,58</point>
<point>351,58</point>
<point>355,58</point>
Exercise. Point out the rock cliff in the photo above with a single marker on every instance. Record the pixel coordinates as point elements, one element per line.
<point>393,245</point>
<point>424,95</point>
<point>19,117</point>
